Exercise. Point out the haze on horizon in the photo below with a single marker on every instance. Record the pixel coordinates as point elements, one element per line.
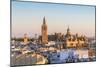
<point>27,17</point>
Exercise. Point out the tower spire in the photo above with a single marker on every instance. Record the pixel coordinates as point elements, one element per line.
<point>68,31</point>
<point>44,22</point>
<point>68,28</point>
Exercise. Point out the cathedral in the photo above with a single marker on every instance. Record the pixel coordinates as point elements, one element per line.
<point>75,40</point>
<point>44,32</point>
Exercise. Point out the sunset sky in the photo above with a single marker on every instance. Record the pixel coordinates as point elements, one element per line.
<point>27,17</point>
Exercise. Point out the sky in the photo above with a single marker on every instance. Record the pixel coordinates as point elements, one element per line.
<point>27,17</point>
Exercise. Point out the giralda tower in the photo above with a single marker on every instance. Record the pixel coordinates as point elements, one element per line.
<point>44,32</point>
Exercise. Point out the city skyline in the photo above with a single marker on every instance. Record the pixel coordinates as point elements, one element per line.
<point>50,33</point>
<point>27,17</point>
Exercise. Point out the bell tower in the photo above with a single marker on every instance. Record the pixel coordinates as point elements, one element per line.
<point>44,32</point>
